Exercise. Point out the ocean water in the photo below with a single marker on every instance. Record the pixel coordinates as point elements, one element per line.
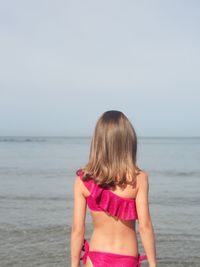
<point>36,201</point>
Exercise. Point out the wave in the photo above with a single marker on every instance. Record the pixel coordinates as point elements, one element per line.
<point>39,198</point>
<point>175,201</point>
<point>174,173</point>
<point>22,139</point>
<point>18,139</point>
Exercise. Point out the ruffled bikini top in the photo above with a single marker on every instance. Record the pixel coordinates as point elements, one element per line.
<point>103,199</point>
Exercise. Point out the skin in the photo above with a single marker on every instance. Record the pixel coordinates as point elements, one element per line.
<point>109,233</point>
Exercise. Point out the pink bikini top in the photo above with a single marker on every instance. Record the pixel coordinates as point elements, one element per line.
<point>102,199</point>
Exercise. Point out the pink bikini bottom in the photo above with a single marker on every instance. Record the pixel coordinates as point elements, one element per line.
<point>108,259</point>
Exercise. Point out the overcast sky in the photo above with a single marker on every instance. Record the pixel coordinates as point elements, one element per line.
<point>63,63</point>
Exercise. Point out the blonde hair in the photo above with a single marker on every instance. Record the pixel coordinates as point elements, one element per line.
<point>113,151</point>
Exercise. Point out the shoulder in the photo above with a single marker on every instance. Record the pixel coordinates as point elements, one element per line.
<point>78,178</point>
<point>80,174</point>
<point>142,179</point>
<point>79,183</point>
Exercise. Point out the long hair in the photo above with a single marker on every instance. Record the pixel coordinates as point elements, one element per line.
<point>113,150</point>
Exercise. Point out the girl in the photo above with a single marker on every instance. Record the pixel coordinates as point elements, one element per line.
<point>116,192</point>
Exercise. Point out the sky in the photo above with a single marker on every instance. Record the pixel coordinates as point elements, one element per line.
<point>64,63</point>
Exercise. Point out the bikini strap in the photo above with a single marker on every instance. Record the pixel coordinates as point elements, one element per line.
<point>85,248</point>
<point>141,258</point>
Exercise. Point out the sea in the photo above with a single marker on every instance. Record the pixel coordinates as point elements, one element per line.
<point>36,198</point>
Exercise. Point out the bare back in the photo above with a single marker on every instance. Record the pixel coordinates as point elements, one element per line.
<point>111,234</point>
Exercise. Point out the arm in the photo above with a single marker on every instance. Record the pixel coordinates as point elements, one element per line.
<point>145,224</point>
<point>78,224</point>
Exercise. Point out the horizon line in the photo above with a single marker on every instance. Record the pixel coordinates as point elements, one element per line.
<point>88,136</point>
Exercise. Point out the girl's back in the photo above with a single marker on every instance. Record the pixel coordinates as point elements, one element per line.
<point>113,234</point>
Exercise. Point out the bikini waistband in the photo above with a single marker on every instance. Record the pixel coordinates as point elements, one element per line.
<point>85,248</point>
